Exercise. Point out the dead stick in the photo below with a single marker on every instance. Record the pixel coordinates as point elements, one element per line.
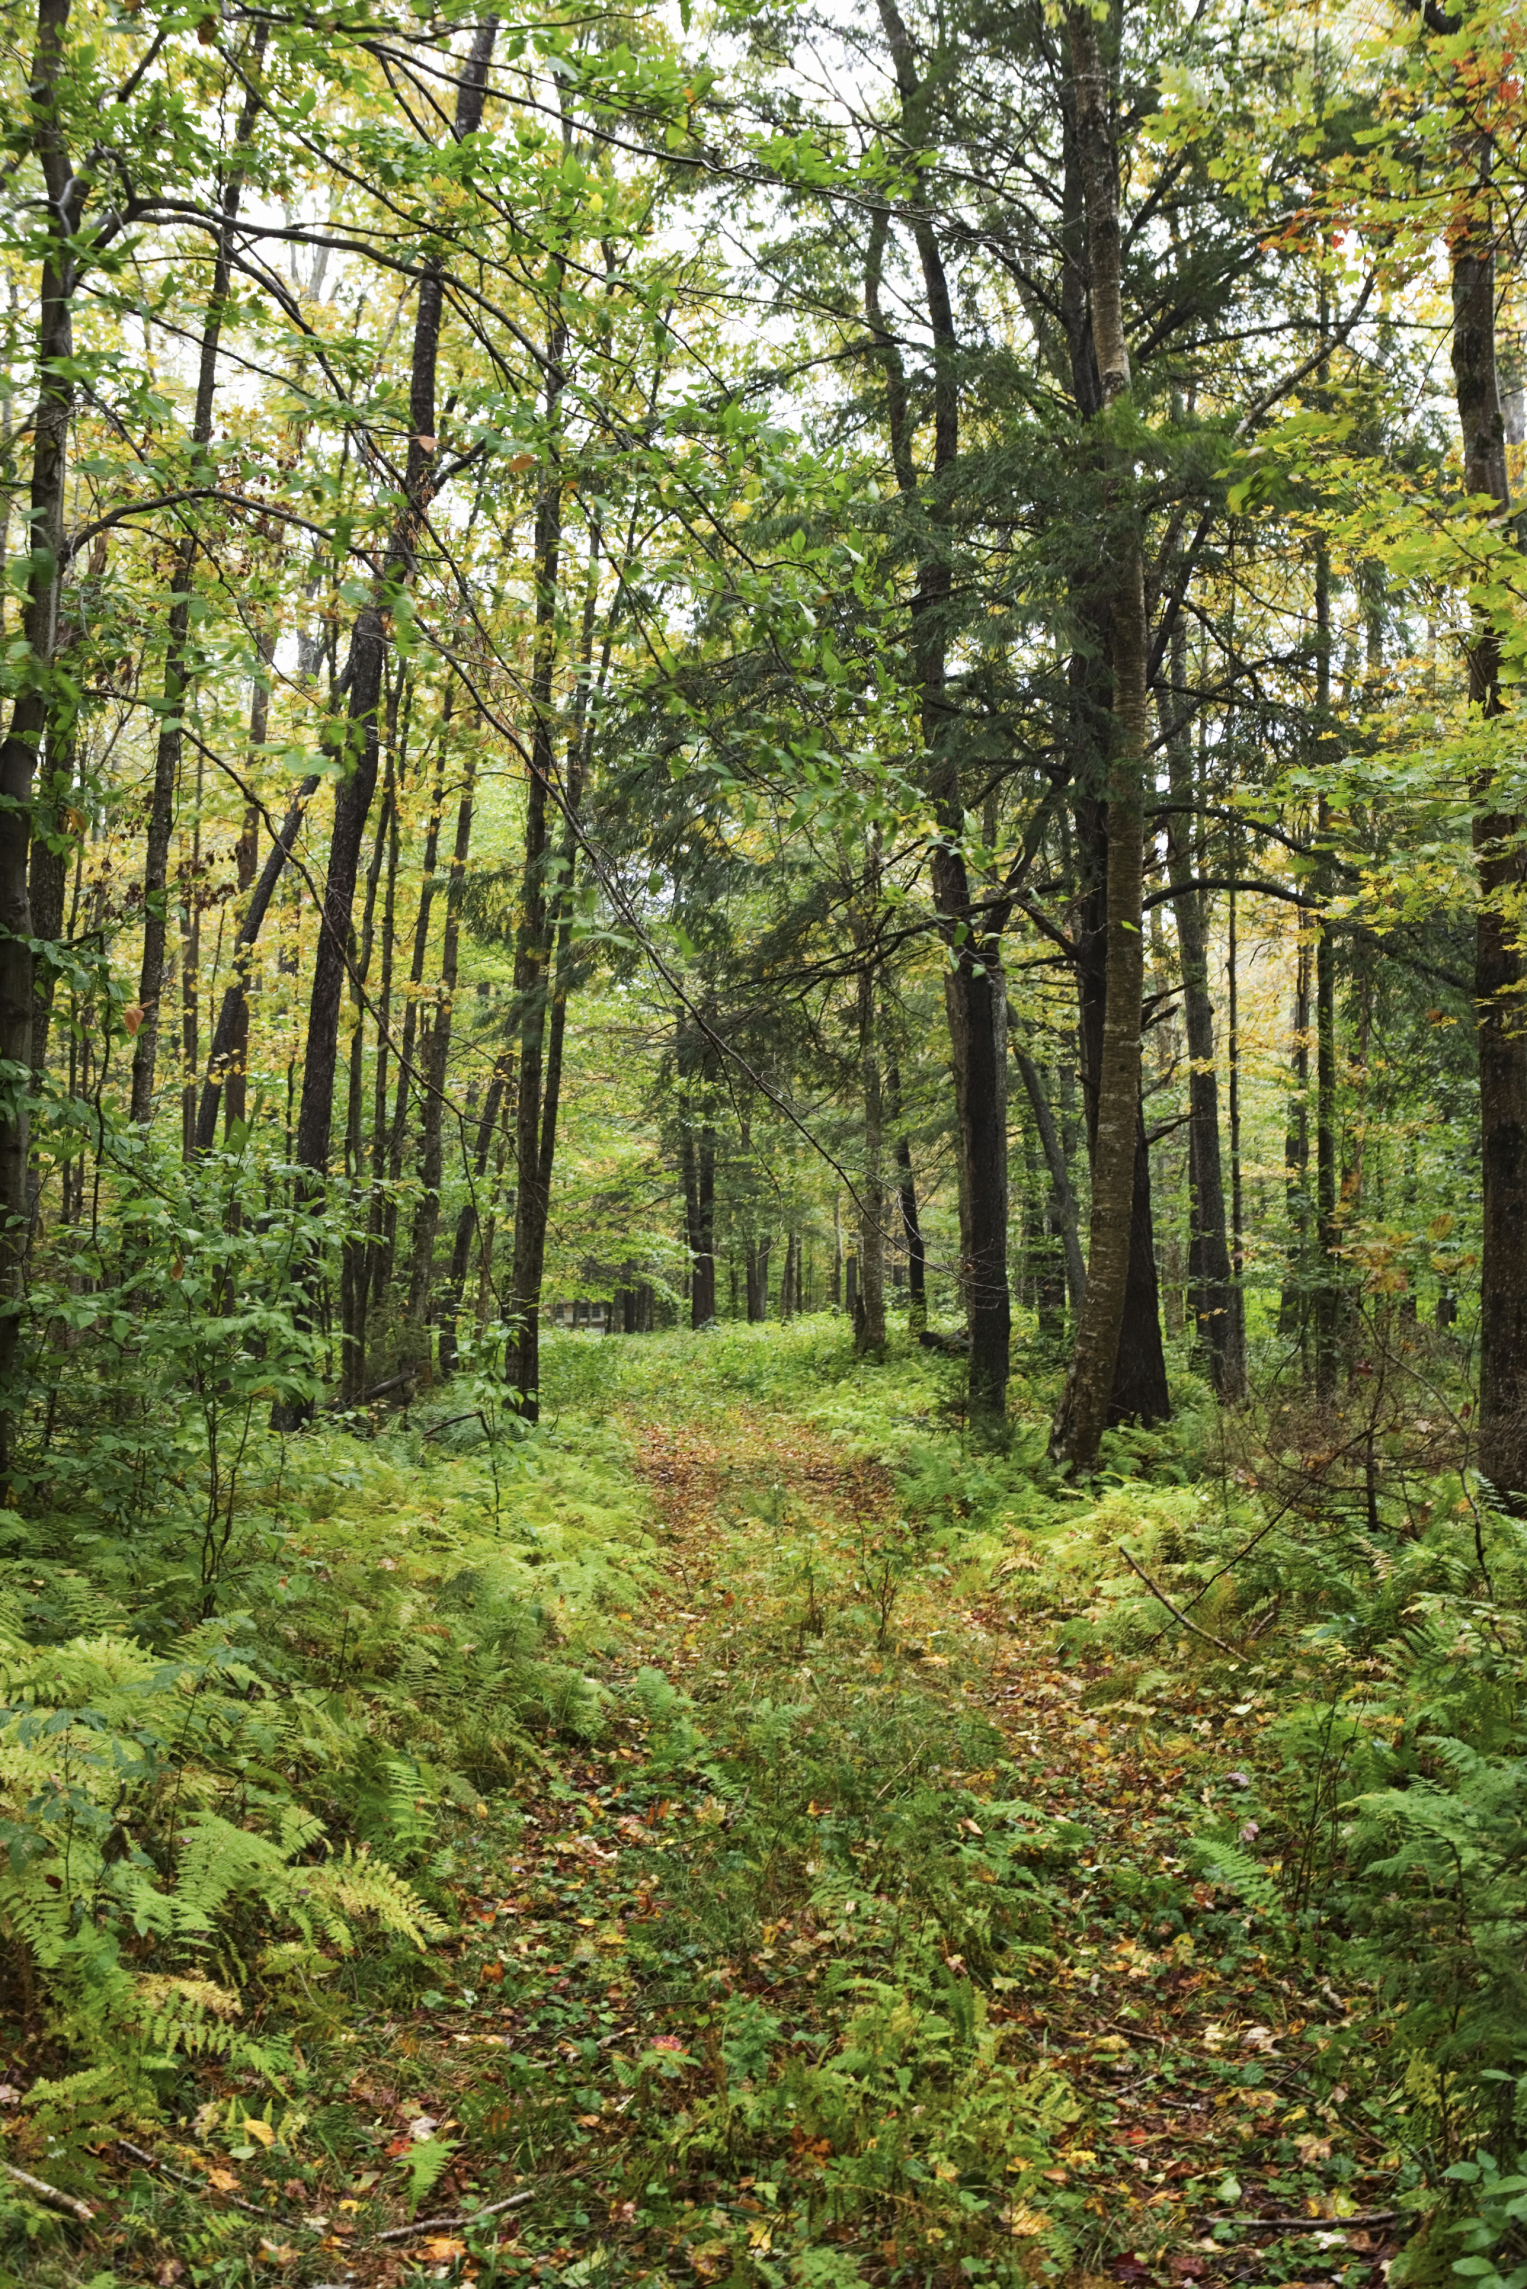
<point>1312,2224</point>
<point>41,2191</point>
<point>1175,1611</point>
<point>473,2217</point>
<point>184,2178</point>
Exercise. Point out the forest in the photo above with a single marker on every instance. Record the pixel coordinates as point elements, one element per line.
<point>763,1144</point>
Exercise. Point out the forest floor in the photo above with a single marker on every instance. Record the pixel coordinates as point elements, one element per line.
<point>866,1944</point>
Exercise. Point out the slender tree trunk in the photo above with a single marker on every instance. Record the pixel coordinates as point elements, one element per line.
<point>1328,1268</point>
<point>467,1221</point>
<point>231,1034</point>
<point>246,859</point>
<point>1062,1207</point>
<point>39,713</point>
<point>975,996</point>
<point>353,743</point>
<point>1499,864</point>
<point>437,1059</point>
<point>869,1322</point>
<point>1209,1271</point>
<point>1235,1378</point>
<point>179,666</point>
<point>1293,1306</point>
<point>355,1259</point>
<point>408,1047</point>
<point>1089,1385</point>
<point>47,876</point>
<point>906,1189</point>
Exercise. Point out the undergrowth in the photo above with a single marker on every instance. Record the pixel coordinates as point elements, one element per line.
<point>796,1949</point>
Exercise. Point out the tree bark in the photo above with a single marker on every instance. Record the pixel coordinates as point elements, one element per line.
<point>232,1027</point>
<point>906,1190</point>
<point>178,661</point>
<point>1209,1272</point>
<point>869,1320</point>
<point>1120,1139</point>
<point>39,712</point>
<point>974,993</point>
<point>353,742</point>
<point>467,1221</point>
<point>1062,1208</point>
<point>1498,858</point>
<point>1327,1314</point>
<point>436,1060</point>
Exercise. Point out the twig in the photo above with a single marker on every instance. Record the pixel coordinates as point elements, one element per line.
<point>472,2217</point>
<point>1177,1614</point>
<point>41,2191</point>
<point>1311,2224</point>
<point>199,2186</point>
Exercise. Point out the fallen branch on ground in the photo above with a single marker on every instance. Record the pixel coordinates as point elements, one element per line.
<point>473,2217</point>
<point>41,2191</point>
<point>1176,1612</point>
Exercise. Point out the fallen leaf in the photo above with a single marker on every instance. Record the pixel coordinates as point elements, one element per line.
<point>262,2131</point>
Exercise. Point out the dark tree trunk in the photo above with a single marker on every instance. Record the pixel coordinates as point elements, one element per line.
<point>1210,1290</point>
<point>246,859</point>
<point>436,1061</point>
<point>355,1263</point>
<point>906,1190</point>
<point>407,1050</point>
<point>1138,1391</point>
<point>1293,1306</point>
<point>1327,1314</point>
<point>1062,1203</point>
<point>975,996</point>
<point>232,1030</point>
<point>1117,1367</point>
<point>1499,864</point>
<point>179,665</point>
<point>466,1222</point>
<point>869,1321</point>
<point>534,950</point>
<point>353,743</point>
<point>39,714</point>
<point>47,876</point>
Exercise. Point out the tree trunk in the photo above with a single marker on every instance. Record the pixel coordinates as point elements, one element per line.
<point>1293,1305</point>
<point>1209,1274</point>
<point>1115,1249</point>
<point>436,1061</point>
<point>355,1260</point>
<point>39,713</point>
<point>1327,1313</point>
<point>353,743</point>
<point>467,1221</point>
<point>973,989</point>
<point>1062,1205</point>
<point>537,934</point>
<point>906,1190</point>
<point>179,665</point>
<point>1499,865</point>
<point>869,1320</point>
<point>232,1028</point>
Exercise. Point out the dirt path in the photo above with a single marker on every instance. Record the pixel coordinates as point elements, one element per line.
<point>1191,2052</point>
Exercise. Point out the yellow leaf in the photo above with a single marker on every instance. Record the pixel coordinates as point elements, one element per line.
<point>254,2128</point>
<point>223,2181</point>
<point>443,2246</point>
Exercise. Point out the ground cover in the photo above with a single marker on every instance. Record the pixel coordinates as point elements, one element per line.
<point>863,1877</point>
